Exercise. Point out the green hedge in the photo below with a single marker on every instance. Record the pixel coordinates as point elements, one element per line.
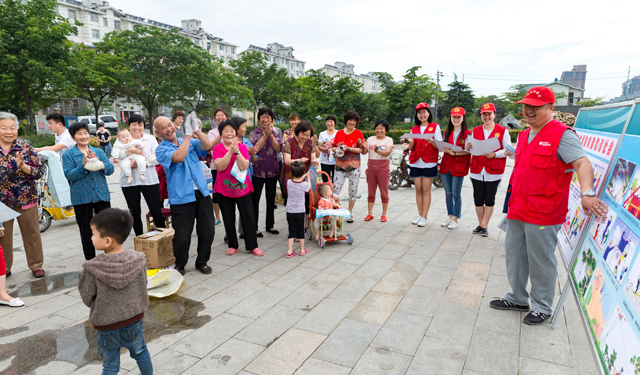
<point>39,140</point>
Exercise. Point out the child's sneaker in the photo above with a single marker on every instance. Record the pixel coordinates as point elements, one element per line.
<point>129,179</point>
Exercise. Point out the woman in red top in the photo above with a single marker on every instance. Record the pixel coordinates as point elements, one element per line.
<point>347,146</point>
<point>455,165</point>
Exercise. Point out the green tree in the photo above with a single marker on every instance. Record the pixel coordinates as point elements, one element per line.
<point>394,95</point>
<point>459,95</point>
<point>419,88</point>
<point>402,97</point>
<point>271,86</point>
<point>599,100</point>
<point>95,76</point>
<point>500,103</point>
<point>33,53</point>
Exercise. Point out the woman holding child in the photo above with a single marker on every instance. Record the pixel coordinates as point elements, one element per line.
<point>146,184</point>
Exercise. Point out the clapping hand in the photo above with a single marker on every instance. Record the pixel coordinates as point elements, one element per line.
<point>194,122</point>
<point>365,145</point>
<point>234,147</point>
<point>188,130</point>
<point>19,161</point>
<point>253,150</point>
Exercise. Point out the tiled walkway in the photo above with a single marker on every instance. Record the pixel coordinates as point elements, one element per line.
<point>400,300</point>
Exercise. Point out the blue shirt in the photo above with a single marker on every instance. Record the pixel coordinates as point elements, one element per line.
<point>182,176</point>
<point>86,186</point>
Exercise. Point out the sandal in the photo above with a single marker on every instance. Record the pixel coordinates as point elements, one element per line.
<point>303,252</point>
<point>383,219</point>
<point>368,217</point>
<point>205,269</point>
<point>259,235</point>
<point>38,273</point>
<point>291,255</point>
<point>231,251</point>
<point>350,220</point>
<point>241,236</point>
<point>226,240</point>
<point>257,252</point>
<point>273,231</point>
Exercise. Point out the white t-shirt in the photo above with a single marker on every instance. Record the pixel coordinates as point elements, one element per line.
<point>438,137</point>
<point>327,157</point>
<point>65,139</point>
<point>383,145</point>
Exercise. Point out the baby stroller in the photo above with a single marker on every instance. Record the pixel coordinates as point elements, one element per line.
<point>330,217</point>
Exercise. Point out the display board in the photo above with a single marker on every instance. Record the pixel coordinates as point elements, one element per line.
<point>606,271</point>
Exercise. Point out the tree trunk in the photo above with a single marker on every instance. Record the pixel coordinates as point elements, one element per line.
<point>25,95</point>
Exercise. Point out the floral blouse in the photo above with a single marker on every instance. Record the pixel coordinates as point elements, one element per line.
<point>16,188</point>
<point>267,164</point>
<point>292,148</point>
<point>287,135</point>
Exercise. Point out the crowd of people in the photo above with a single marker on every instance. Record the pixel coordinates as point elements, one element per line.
<point>207,177</point>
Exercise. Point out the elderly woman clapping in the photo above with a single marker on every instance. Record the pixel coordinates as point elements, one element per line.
<point>19,171</point>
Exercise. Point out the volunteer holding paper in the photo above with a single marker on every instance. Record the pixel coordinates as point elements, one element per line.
<point>423,160</point>
<point>455,165</point>
<point>487,169</point>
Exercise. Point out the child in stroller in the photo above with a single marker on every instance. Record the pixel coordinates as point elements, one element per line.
<point>325,214</point>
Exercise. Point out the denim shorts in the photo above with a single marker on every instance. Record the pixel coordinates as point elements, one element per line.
<point>423,172</point>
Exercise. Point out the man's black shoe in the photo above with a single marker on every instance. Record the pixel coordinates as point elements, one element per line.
<point>181,270</point>
<point>477,230</point>
<point>503,304</point>
<point>535,317</point>
<point>205,269</point>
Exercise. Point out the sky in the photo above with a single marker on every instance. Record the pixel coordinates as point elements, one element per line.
<point>492,44</point>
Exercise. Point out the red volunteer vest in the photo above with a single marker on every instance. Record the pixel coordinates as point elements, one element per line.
<point>422,149</point>
<point>540,181</point>
<point>458,166</point>
<point>492,166</point>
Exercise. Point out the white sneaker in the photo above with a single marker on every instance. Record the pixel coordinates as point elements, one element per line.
<point>452,225</point>
<point>423,222</point>
<point>446,222</point>
<point>417,220</point>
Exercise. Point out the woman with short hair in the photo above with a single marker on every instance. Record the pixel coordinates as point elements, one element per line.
<point>379,147</point>
<point>348,144</point>
<point>325,142</point>
<point>177,117</point>
<point>299,148</point>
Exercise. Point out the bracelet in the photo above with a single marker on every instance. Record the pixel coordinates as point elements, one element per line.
<point>454,153</point>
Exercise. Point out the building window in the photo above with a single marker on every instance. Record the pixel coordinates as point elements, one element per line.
<point>116,25</point>
<point>95,34</point>
<point>221,47</point>
<point>291,65</point>
<point>302,66</point>
<point>72,14</point>
<point>196,41</point>
<point>116,15</point>
<point>104,20</point>
<point>233,50</point>
<point>94,17</point>
<point>75,103</point>
<point>297,64</point>
<point>208,45</point>
<point>283,61</point>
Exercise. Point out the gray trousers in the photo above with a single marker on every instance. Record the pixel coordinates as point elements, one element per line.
<point>530,254</point>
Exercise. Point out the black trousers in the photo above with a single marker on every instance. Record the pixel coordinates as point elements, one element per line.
<point>296,225</point>
<point>328,169</point>
<point>484,192</point>
<point>183,218</point>
<point>84,214</point>
<point>228,210</point>
<point>270,186</point>
<point>151,194</point>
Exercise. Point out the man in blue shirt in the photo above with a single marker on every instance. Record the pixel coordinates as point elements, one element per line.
<point>189,194</point>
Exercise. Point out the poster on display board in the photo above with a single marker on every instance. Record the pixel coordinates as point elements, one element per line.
<point>606,273</point>
<point>599,132</point>
<point>42,126</point>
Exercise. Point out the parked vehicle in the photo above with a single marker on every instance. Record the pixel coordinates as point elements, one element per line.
<point>110,123</point>
<point>402,170</point>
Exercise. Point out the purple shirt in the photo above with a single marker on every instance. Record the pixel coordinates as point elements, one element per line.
<point>267,165</point>
<point>295,200</point>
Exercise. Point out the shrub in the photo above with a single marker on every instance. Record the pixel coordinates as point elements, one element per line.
<point>39,140</point>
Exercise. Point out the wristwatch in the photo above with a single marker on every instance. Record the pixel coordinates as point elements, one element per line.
<point>236,153</point>
<point>589,193</point>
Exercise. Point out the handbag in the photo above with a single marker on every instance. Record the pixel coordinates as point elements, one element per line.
<point>207,172</point>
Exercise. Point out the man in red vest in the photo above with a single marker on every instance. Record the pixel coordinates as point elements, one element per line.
<point>545,157</point>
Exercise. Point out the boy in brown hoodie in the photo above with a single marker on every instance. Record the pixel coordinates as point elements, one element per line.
<point>114,286</point>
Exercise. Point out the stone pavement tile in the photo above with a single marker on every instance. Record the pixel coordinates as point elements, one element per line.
<point>194,278</point>
<point>375,268</point>
<point>486,242</point>
<point>314,366</point>
<point>266,329</point>
<point>283,265</point>
<point>486,356</point>
<point>234,260</point>
<point>455,244</point>
<point>219,303</point>
<point>445,259</point>
<point>530,366</point>
<point>375,242</point>
<point>402,333</point>
<point>435,277</point>
<point>396,282</point>
<point>375,308</point>
<point>472,372</point>
<point>295,278</point>
<point>546,344</point>
<point>228,359</point>
<point>207,288</point>
<point>353,289</point>
<point>244,269</point>
<point>583,359</point>
<point>55,368</point>
<point>347,343</point>
<point>412,263</point>
<point>169,362</point>
<point>308,295</point>
<point>17,336</point>
<point>379,361</point>
<point>326,316</point>
<point>497,286</point>
<point>211,335</point>
<point>93,368</point>
<point>246,373</point>
<point>337,272</point>
<point>425,248</point>
<point>464,293</point>
<point>285,355</point>
<point>392,252</point>
<point>359,255</point>
<point>501,320</point>
<point>474,272</point>
<point>30,313</point>
<point>322,259</point>
<point>75,312</point>
<point>478,255</point>
<point>404,238</point>
<point>258,303</point>
<point>251,284</point>
<point>438,356</point>
<point>453,323</point>
<point>498,266</point>
<point>421,300</point>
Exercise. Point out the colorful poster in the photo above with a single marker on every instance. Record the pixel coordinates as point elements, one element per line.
<point>42,124</point>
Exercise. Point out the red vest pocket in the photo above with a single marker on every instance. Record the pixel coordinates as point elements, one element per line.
<point>542,201</point>
<point>541,157</point>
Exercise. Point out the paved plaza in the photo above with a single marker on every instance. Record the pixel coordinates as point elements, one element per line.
<point>399,300</point>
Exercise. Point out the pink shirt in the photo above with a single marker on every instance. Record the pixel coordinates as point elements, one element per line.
<point>226,183</point>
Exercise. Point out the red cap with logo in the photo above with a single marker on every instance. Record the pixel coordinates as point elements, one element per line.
<point>422,105</point>
<point>538,96</point>
<point>489,107</point>
<point>457,111</point>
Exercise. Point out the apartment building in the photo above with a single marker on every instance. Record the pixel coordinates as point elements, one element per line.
<point>282,56</point>
<point>370,84</point>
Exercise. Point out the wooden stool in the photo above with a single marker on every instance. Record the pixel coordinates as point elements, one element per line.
<point>166,212</point>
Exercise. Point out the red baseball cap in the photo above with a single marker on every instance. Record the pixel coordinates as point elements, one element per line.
<point>538,96</point>
<point>457,111</point>
<point>488,107</point>
<point>422,105</point>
